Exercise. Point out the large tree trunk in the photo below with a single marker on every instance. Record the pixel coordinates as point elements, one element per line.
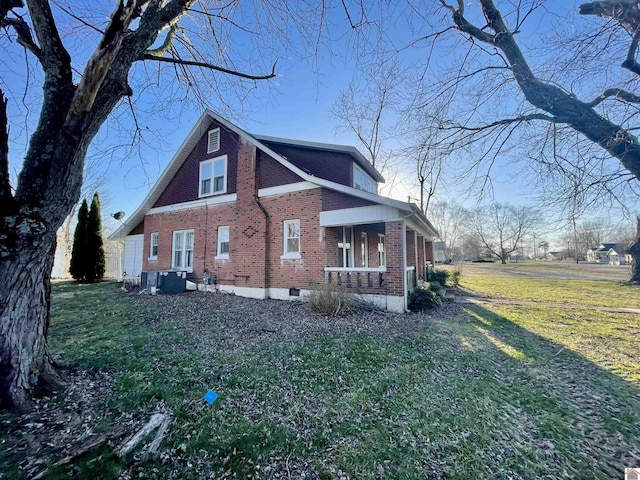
<point>25,293</point>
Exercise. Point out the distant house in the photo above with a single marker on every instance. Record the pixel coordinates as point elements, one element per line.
<point>610,253</point>
<point>268,217</point>
<point>440,253</point>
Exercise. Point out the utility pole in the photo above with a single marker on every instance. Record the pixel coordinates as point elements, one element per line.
<point>535,251</point>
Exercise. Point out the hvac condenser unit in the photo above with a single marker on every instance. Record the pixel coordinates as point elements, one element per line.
<point>163,282</point>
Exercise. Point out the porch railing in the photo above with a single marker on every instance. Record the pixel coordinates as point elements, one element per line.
<point>363,279</point>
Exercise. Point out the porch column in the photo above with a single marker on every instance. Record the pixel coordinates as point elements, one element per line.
<point>394,240</point>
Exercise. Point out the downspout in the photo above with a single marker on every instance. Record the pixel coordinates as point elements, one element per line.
<point>267,256</point>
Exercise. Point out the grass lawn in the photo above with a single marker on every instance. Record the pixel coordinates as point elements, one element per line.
<point>471,391</point>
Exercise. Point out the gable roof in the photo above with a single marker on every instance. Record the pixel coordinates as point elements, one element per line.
<point>201,127</point>
<point>607,247</point>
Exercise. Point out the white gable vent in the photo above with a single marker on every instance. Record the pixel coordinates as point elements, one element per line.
<point>213,144</point>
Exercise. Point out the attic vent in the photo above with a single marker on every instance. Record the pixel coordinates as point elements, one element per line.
<point>213,144</point>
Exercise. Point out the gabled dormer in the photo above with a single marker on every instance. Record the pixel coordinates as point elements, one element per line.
<point>337,163</point>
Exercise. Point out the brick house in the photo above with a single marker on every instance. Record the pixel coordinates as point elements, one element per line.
<point>269,217</point>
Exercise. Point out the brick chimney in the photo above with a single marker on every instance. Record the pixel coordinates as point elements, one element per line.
<point>250,230</point>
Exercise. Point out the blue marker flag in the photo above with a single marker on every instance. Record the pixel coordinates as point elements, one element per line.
<point>210,396</point>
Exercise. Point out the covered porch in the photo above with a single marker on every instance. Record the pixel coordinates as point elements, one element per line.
<point>380,252</point>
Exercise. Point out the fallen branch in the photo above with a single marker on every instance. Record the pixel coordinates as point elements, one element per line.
<point>93,441</point>
<point>158,421</point>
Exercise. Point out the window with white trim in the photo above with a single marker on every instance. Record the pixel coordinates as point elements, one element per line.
<point>223,243</point>
<point>362,181</point>
<point>182,250</point>
<point>345,251</point>
<point>292,238</point>
<point>213,176</point>
<point>364,249</point>
<point>382,256</point>
<point>153,246</point>
<point>213,140</point>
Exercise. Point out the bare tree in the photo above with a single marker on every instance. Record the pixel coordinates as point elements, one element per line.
<point>501,228</point>
<point>451,220</point>
<point>495,68</point>
<point>186,39</point>
<point>365,108</point>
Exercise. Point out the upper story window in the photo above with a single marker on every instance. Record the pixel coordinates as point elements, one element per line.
<point>362,181</point>
<point>153,246</point>
<point>213,176</point>
<point>213,140</point>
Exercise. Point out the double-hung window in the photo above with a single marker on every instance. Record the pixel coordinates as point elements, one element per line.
<point>291,239</point>
<point>223,243</point>
<point>213,176</point>
<point>182,252</point>
<point>153,246</point>
<point>382,256</point>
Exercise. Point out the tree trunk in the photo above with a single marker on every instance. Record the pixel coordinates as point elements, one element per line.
<point>25,295</point>
<point>634,250</point>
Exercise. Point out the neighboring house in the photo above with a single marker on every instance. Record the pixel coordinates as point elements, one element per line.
<point>610,253</point>
<point>269,217</point>
<point>439,252</point>
<point>556,255</point>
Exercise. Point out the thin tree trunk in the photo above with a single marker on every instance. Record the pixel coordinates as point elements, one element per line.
<point>635,253</point>
<point>25,295</point>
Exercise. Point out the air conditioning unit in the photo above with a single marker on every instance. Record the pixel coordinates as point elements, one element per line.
<point>163,282</point>
<point>150,281</point>
<point>173,282</point>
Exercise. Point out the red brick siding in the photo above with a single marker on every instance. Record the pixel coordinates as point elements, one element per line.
<point>395,275</point>
<point>332,200</point>
<point>183,187</point>
<point>250,232</point>
<point>421,252</point>
<point>306,207</point>
<point>272,173</point>
<point>411,248</point>
<point>429,248</point>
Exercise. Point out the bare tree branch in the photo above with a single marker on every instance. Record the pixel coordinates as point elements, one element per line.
<point>166,44</point>
<point>24,35</point>
<point>191,63</point>
<point>56,59</point>
<point>508,121</point>
<point>619,142</point>
<point>617,93</point>
<point>5,185</point>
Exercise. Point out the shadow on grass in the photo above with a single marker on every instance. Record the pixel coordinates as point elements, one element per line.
<point>590,416</point>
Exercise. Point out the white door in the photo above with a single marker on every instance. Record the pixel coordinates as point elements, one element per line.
<point>133,255</point>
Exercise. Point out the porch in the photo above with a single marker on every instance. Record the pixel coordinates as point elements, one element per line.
<point>378,252</point>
